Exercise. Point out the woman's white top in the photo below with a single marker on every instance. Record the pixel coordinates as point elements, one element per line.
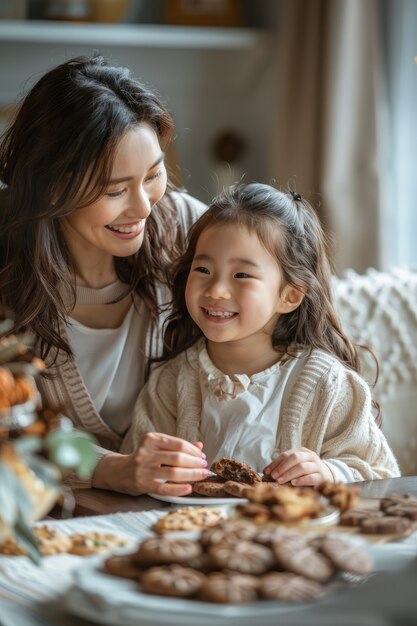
<point>245,429</point>
<point>108,360</point>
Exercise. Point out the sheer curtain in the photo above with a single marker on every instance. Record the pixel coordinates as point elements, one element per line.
<point>399,131</point>
<point>345,125</point>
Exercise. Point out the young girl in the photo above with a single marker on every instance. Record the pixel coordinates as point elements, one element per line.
<point>256,363</point>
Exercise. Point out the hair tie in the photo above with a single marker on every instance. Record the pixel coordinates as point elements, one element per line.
<point>295,195</point>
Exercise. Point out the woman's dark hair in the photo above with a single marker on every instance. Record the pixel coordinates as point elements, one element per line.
<point>62,143</point>
<point>290,230</point>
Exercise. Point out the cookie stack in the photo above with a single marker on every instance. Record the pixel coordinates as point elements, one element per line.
<point>231,478</point>
<point>397,514</point>
<point>270,502</point>
<point>235,562</point>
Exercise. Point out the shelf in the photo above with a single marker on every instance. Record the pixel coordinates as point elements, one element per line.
<point>133,35</point>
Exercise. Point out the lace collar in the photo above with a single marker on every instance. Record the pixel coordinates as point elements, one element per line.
<point>225,387</point>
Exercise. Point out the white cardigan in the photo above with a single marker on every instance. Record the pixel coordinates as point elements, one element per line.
<point>327,409</point>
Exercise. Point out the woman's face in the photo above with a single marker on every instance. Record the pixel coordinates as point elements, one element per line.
<point>114,225</point>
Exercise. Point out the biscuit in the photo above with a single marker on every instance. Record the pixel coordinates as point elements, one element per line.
<point>172,580</point>
<point>229,588</point>
<point>210,487</point>
<point>402,510</point>
<point>295,555</point>
<point>50,542</point>
<point>289,587</point>
<point>165,550</point>
<point>230,532</point>
<point>123,565</point>
<point>354,517</point>
<point>257,512</point>
<point>244,557</point>
<point>231,469</point>
<point>346,555</point>
<point>239,490</point>
<point>190,519</point>
<point>93,542</point>
<point>387,524</point>
<point>340,495</point>
<point>397,498</point>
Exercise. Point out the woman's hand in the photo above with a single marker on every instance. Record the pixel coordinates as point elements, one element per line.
<point>301,467</point>
<point>161,464</point>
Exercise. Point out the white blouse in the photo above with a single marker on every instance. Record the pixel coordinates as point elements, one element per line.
<point>245,429</point>
<point>109,363</point>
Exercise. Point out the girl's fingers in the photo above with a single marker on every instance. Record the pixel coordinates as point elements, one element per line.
<point>296,471</point>
<point>173,489</point>
<point>308,480</point>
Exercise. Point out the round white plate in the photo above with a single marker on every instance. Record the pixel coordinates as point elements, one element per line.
<point>200,501</point>
<point>111,600</point>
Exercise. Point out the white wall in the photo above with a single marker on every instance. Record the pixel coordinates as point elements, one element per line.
<point>206,90</point>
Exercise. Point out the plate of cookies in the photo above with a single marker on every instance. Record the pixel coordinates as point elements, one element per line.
<point>233,571</point>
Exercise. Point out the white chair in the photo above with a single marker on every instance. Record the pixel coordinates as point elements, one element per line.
<point>379,309</point>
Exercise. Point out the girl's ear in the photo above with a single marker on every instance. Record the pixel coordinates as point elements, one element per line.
<point>291,298</point>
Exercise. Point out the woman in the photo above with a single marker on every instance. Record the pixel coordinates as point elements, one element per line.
<point>89,227</point>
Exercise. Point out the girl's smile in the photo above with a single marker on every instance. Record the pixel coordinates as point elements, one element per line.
<point>218,316</point>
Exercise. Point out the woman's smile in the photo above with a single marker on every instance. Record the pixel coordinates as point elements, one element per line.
<point>127,231</point>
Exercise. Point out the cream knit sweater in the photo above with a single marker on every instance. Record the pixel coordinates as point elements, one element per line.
<point>327,409</point>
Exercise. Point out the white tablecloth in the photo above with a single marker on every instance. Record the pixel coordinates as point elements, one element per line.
<point>33,596</point>
<point>28,592</point>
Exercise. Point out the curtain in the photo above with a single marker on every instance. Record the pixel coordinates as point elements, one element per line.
<point>325,127</point>
<point>399,185</point>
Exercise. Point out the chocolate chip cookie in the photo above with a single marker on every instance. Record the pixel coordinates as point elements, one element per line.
<point>231,469</point>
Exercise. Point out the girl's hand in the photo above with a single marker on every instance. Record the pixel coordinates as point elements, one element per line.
<point>161,464</point>
<point>301,467</point>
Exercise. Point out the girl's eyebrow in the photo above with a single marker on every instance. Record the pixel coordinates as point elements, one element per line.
<point>206,257</point>
<point>114,181</point>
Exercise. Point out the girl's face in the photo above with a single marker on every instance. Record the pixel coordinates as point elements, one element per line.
<point>233,288</point>
<point>114,225</point>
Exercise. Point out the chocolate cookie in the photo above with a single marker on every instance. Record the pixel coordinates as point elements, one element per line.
<point>402,510</point>
<point>405,499</point>
<point>297,556</point>
<point>230,469</point>
<point>166,550</point>
<point>230,532</point>
<point>172,580</point>
<point>354,517</point>
<point>257,512</point>
<point>229,588</point>
<point>346,555</point>
<point>239,490</point>
<point>288,587</point>
<point>387,524</point>
<point>244,557</point>
<point>211,487</point>
<point>123,565</point>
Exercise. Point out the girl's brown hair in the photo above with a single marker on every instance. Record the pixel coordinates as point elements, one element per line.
<point>290,230</point>
<point>61,143</point>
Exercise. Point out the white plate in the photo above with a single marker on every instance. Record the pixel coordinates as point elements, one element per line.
<point>329,516</point>
<point>110,600</point>
<point>114,601</point>
<point>185,500</point>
